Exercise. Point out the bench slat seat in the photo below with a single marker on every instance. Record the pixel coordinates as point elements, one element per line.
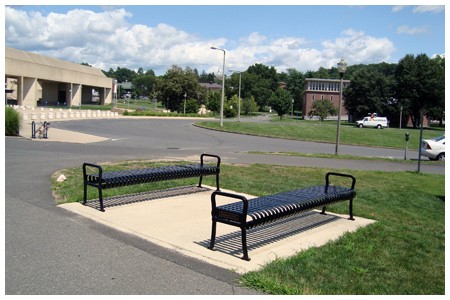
<point>250,213</point>
<point>105,180</point>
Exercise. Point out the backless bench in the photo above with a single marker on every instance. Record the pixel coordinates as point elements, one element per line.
<point>105,180</point>
<point>250,213</point>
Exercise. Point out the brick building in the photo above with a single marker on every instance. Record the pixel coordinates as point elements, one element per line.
<point>318,89</point>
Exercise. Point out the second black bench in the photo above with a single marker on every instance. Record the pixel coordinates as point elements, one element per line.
<point>105,180</point>
<point>250,213</point>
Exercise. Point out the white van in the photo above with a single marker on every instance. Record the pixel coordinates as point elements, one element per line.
<point>378,122</point>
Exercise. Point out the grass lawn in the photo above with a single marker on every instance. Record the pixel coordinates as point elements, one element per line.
<point>402,253</point>
<point>305,130</point>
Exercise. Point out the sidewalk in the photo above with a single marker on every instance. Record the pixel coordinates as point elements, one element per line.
<point>183,223</point>
<point>40,115</point>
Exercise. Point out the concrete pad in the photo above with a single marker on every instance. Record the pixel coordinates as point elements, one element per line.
<point>183,223</point>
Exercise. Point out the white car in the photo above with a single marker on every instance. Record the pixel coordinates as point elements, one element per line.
<point>434,149</point>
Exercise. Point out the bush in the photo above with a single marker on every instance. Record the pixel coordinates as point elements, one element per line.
<point>192,106</point>
<point>12,121</point>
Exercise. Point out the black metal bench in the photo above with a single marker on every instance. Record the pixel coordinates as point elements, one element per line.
<point>105,180</point>
<point>250,213</point>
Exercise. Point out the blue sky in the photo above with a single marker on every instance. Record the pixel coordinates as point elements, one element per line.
<point>155,37</point>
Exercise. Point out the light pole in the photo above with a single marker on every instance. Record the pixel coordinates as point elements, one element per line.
<point>292,112</point>
<point>184,109</point>
<point>342,67</point>
<point>239,96</point>
<point>223,85</point>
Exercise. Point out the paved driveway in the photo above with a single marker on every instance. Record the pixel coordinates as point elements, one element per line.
<point>51,251</point>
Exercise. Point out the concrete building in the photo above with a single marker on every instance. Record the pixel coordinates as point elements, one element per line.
<point>319,89</point>
<point>38,80</point>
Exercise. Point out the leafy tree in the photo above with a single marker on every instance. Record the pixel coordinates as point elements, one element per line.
<point>281,102</point>
<point>213,102</point>
<point>175,84</point>
<point>230,107</point>
<point>294,81</point>
<point>420,85</point>
<point>249,106</point>
<point>192,106</point>
<point>143,85</point>
<point>369,91</point>
<point>322,109</point>
<point>259,81</point>
<point>437,108</point>
<point>124,74</point>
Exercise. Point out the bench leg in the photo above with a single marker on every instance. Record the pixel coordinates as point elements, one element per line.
<point>350,209</point>
<point>85,193</point>
<point>200,181</point>
<point>213,235</point>
<point>217,182</point>
<point>323,211</point>
<point>244,244</point>
<point>100,198</point>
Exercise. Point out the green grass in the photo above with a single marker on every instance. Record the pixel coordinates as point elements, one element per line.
<point>344,156</point>
<point>304,130</point>
<point>402,253</point>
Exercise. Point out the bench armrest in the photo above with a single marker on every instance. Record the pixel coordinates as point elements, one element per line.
<point>327,179</point>
<point>229,195</point>
<point>210,155</point>
<point>98,167</point>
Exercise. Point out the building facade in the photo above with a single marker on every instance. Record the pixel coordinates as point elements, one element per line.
<point>37,80</point>
<point>319,89</point>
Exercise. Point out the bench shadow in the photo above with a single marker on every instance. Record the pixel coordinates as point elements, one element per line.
<point>269,233</point>
<point>145,196</point>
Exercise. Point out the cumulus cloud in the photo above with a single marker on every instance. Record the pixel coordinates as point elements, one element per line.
<point>357,47</point>
<point>107,40</point>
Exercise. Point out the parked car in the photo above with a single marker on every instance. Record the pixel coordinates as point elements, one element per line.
<point>434,149</point>
<point>378,122</point>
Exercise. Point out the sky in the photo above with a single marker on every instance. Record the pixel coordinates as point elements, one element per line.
<point>282,34</point>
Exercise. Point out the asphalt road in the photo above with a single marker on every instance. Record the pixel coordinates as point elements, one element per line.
<point>51,251</point>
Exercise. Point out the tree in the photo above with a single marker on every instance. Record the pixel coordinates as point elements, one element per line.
<point>368,92</point>
<point>213,102</point>
<point>249,106</point>
<point>281,102</point>
<point>420,85</point>
<point>230,107</point>
<point>322,109</point>
<point>259,81</point>
<point>192,106</point>
<point>175,84</point>
<point>294,83</point>
<point>143,85</point>
<point>124,74</point>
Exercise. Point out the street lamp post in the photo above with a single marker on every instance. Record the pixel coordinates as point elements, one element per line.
<point>223,85</point>
<point>184,109</point>
<point>292,111</point>
<point>239,96</point>
<point>342,67</point>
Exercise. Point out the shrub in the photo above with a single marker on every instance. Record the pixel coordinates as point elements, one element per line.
<point>12,121</point>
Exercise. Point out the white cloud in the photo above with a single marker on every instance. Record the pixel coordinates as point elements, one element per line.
<point>357,47</point>
<point>107,40</point>
<point>429,8</point>
<point>398,8</point>
<point>405,29</point>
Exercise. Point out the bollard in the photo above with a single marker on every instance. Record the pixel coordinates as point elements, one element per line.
<point>33,130</point>
<point>45,129</point>
<point>406,140</point>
